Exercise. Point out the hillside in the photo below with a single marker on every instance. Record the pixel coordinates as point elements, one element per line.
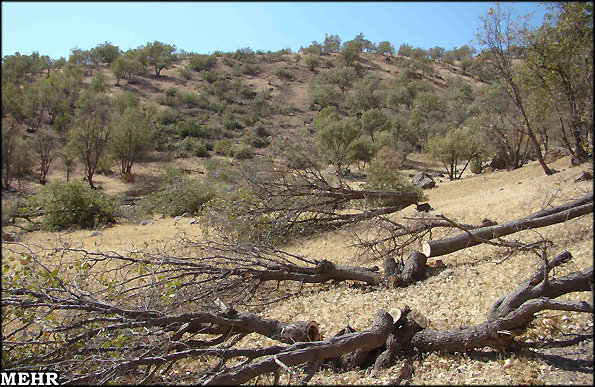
<point>219,134</point>
<point>459,294</point>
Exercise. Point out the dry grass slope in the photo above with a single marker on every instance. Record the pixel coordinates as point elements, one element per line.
<point>457,296</point>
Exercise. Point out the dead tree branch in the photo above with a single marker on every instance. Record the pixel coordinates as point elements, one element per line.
<point>474,237</point>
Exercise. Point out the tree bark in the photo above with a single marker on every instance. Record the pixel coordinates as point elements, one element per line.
<point>477,236</point>
<point>324,271</point>
<point>315,352</point>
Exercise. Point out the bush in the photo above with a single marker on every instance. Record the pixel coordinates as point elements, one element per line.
<point>171,92</point>
<point>284,73</point>
<point>383,174</point>
<point>211,76</point>
<point>312,62</point>
<point>199,62</point>
<point>243,152</point>
<point>168,116</point>
<point>250,69</point>
<point>195,147</point>
<point>476,164</point>
<point>256,142</point>
<point>74,205</point>
<point>193,101</point>
<point>185,73</point>
<point>223,147</point>
<point>178,194</point>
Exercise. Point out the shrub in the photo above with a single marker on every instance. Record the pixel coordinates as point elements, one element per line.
<point>476,164</point>
<point>171,92</point>
<point>185,73</point>
<point>191,128</point>
<point>178,194</point>
<point>199,62</point>
<point>211,76</point>
<point>195,147</point>
<point>168,116</point>
<point>250,69</point>
<point>383,174</point>
<point>223,147</point>
<point>284,73</point>
<point>243,152</point>
<point>255,141</point>
<point>193,101</point>
<point>74,204</point>
<point>312,62</point>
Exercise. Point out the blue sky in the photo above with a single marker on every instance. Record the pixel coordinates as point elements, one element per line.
<point>53,28</point>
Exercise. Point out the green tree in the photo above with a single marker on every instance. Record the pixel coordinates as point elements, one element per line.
<point>83,58</point>
<point>373,121</point>
<point>132,136</point>
<point>350,53</point>
<point>128,66</point>
<point>361,150</point>
<point>107,52</point>
<point>90,134</point>
<point>44,146</point>
<point>324,94</point>
<point>384,174</point>
<point>67,205</point>
<point>499,34</point>
<point>12,145</point>
<point>334,137</point>
<point>560,58</point>
<point>332,43</point>
<point>342,77</point>
<point>12,101</point>
<point>312,62</point>
<point>426,113</point>
<point>405,50</point>
<point>452,148</point>
<point>314,49</point>
<point>159,55</point>
<point>385,48</point>
<point>436,52</point>
<point>365,95</point>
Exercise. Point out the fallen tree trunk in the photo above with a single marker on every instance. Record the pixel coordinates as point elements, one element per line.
<point>474,237</point>
<point>313,353</point>
<point>324,271</point>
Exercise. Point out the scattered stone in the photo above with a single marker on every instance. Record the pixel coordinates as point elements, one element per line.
<point>10,236</point>
<point>95,233</point>
<point>520,182</point>
<point>585,176</point>
<point>447,272</point>
<point>194,221</point>
<point>145,223</point>
<point>425,207</point>
<point>439,264</point>
<point>423,180</point>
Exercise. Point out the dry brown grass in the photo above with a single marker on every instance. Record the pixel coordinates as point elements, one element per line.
<point>460,298</point>
<point>456,297</point>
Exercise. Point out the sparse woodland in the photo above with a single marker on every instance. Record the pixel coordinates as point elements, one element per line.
<point>250,217</point>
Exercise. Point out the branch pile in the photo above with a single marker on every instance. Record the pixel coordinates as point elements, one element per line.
<point>99,318</point>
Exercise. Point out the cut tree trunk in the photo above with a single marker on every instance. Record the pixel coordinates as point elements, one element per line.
<point>480,235</point>
<point>313,353</point>
<point>324,271</point>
